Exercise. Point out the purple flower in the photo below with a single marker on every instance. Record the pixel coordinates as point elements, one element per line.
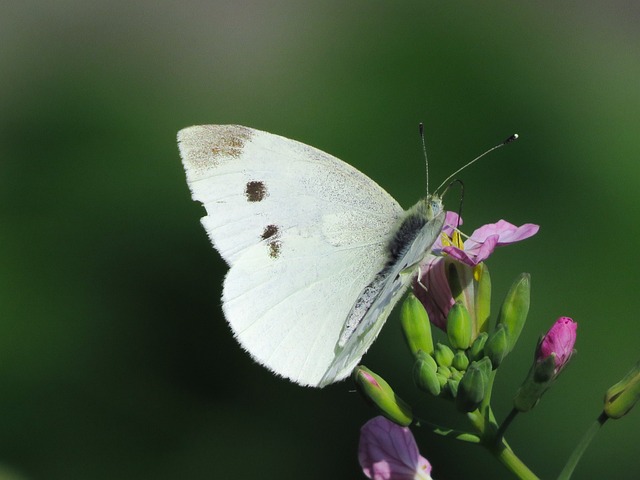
<point>558,341</point>
<point>450,254</point>
<point>482,242</point>
<point>389,452</point>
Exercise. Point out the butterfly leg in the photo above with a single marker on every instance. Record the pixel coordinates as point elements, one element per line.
<point>419,282</point>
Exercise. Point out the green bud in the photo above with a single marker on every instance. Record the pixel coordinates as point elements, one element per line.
<point>424,374</point>
<point>471,389</point>
<point>452,387</point>
<point>456,374</point>
<point>483,297</point>
<point>459,327</point>
<point>476,352</point>
<point>442,379</point>
<point>515,308</point>
<point>444,371</point>
<point>377,391</point>
<point>621,397</point>
<point>497,346</point>
<point>443,355</point>
<point>485,366</point>
<point>416,326</point>
<point>460,360</point>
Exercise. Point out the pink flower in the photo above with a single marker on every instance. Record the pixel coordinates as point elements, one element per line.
<point>389,452</point>
<point>482,242</point>
<point>559,341</point>
<point>450,254</point>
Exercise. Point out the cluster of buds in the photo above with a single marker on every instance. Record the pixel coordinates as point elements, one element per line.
<point>453,293</point>
<point>461,368</point>
<point>455,290</point>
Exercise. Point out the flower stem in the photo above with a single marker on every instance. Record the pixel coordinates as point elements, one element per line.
<point>509,459</point>
<point>448,432</point>
<point>570,466</point>
<point>505,424</point>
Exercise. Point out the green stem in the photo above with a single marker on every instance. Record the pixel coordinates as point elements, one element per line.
<point>448,432</point>
<point>505,424</point>
<point>509,459</point>
<point>485,424</point>
<point>457,434</point>
<point>570,466</point>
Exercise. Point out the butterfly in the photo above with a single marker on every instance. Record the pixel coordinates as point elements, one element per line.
<point>319,253</point>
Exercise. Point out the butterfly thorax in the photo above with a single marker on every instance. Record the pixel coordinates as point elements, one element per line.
<point>414,219</point>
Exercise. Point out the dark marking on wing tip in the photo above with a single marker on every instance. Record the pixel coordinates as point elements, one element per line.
<point>230,140</point>
<point>255,191</point>
<point>272,234</point>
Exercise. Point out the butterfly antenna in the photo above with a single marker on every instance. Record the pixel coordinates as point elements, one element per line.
<point>461,183</point>
<point>511,139</point>
<point>424,151</point>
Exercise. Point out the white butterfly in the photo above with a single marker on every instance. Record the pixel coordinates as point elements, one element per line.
<point>319,254</point>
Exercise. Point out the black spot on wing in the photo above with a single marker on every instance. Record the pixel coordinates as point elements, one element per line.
<point>271,233</point>
<point>255,191</point>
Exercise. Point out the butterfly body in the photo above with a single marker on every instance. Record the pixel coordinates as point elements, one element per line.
<point>318,253</point>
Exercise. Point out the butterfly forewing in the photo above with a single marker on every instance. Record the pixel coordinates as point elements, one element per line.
<point>303,232</point>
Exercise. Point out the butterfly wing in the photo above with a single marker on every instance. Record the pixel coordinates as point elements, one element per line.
<point>303,232</point>
<point>388,288</point>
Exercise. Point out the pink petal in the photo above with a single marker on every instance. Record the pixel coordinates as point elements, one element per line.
<point>437,299</point>
<point>507,232</point>
<point>479,252</point>
<point>559,340</point>
<point>389,452</point>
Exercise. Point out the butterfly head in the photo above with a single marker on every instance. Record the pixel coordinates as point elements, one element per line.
<point>433,205</point>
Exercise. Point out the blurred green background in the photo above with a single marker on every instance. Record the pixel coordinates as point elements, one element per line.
<point>115,361</point>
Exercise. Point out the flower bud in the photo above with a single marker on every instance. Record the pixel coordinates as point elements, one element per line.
<point>375,389</point>
<point>514,309</point>
<point>497,346</point>
<point>476,352</point>
<point>471,389</point>
<point>443,355</point>
<point>459,327</point>
<point>460,361</point>
<point>424,374</point>
<point>452,387</point>
<point>456,374</point>
<point>442,379</point>
<point>559,341</point>
<point>416,326</point>
<point>552,354</point>
<point>621,397</point>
